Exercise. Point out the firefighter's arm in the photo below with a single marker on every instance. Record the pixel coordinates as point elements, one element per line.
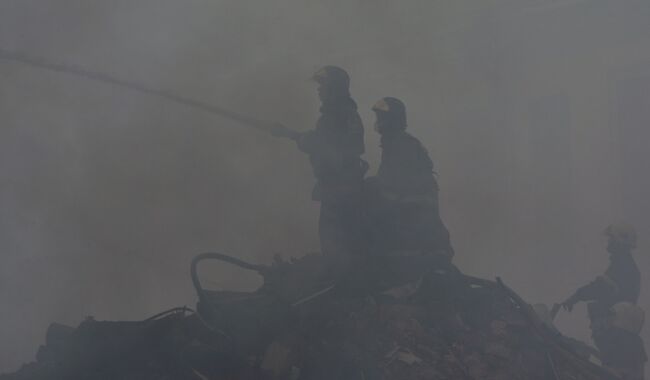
<point>313,144</point>
<point>601,287</point>
<point>309,142</point>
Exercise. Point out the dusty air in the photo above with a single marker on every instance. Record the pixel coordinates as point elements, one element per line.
<point>343,190</point>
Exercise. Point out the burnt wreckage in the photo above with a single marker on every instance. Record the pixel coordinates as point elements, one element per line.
<point>298,325</point>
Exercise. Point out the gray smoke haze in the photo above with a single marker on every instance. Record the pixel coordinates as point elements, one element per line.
<point>535,112</point>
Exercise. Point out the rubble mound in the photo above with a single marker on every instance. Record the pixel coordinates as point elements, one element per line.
<point>444,326</point>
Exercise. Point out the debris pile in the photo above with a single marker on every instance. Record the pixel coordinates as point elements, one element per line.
<point>444,326</point>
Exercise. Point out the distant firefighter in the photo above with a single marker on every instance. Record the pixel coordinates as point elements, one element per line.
<point>403,197</point>
<point>334,148</point>
<point>616,320</point>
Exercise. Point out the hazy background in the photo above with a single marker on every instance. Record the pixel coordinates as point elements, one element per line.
<point>535,112</point>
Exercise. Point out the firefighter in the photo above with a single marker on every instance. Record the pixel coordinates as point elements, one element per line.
<point>404,210</point>
<point>616,320</point>
<point>334,148</point>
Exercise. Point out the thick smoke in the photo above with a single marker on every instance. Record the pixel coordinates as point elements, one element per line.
<point>534,111</point>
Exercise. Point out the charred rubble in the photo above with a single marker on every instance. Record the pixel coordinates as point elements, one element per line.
<point>299,325</point>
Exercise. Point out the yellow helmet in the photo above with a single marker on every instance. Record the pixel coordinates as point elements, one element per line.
<point>392,108</point>
<point>623,233</point>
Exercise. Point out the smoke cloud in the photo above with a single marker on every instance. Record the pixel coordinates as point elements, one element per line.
<point>535,113</point>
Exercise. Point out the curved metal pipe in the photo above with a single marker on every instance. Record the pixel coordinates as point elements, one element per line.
<point>220,257</point>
